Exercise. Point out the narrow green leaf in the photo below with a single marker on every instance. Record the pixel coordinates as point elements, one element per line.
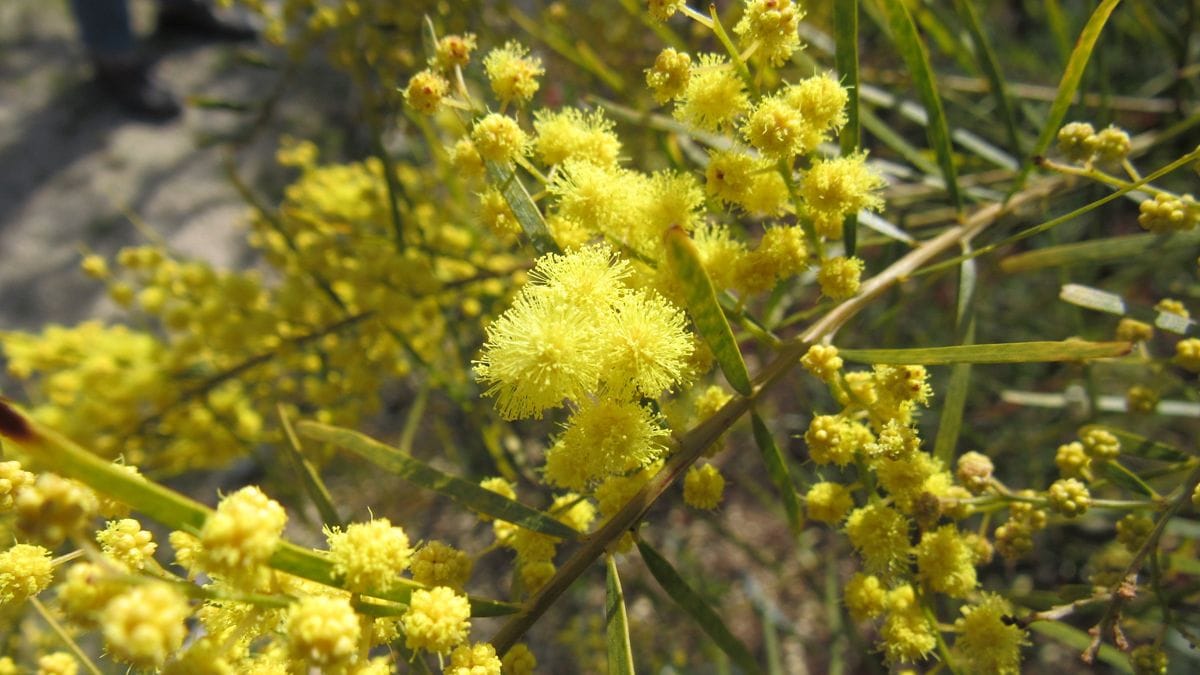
<point>778,471</point>
<point>950,424</point>
<point>50,450</point>
<point>459,490</point>
<point>1012,352</point>
<point>505,180</point>
<point>1096,251</point>
<point>705,310</point>
<point>916,57</point>
<point>1140,446</point>
<point>1068,85</point>
<point>695,606</point>
<point>1092,298</point>
<point>845,34</point>
<point>1117,474</point>
<point>309,477</point>
<point>1079,640</point>
<point>771,644</point>
<point>620,652</point>
<point>990,67</point>
<point>1182,562</point>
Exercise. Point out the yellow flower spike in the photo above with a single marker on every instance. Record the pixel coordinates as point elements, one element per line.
<point>946,562</point>
<point>988,640</point>
<point>425,91</point>
<point>835,188</point>
<point>54,508</point>
<point>454,50</point>
<point>437,620</point>
<point>821,99</point>
<point>602,438</point>
<point>647,348</point>
<point>85,592</point>
<point>865,596</point>
<point>127,542</point>
<point>828,502</point>
<point>499,139</point>
<point>714,97</point>
<point>25,571</point>
<point>880,534</point>
<point>369,556</point>
<point>822,361</point>
<point>839,277</point>
<point>439,564</point>
<point>518,661</point>
<point>513,73</point>
<point>772,25</point>
<point>661,10</point>
<point>537,354</point>
<point>572,134</point>
<point>669,77</point>
<point>323,632</point>
<point>145,625</point>
<point>12,480</point>
<point>779,131</point>
<point>474,659</point>
<point>1077,141</point>
<point>57,663</point>
<point>238,539</point>
<point>703,487</point>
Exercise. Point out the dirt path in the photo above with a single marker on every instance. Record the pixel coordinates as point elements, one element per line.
<point>75,173</point>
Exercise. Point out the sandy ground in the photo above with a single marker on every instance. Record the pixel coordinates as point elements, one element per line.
<point>76,173</point>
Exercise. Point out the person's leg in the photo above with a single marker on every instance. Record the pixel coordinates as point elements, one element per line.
<point>106,31</point>
<point>104,27</point>
<point>198,18</point>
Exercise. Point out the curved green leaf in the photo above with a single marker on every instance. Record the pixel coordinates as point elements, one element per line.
<point>1013,352</point>
<point>990,67</point>
<point>950,421</point>
<point>505,180</point>
<point>310,478</point>
<point>620,652</point>
<point>1098,251</point>
<point>1118,475</point>
<point>916,57</point>
<point>1068,85</point>
<point>845,34</point>
<point>459,490</point>
<point>778,471</point>
<point>705,310</point>
<point>695,606</point>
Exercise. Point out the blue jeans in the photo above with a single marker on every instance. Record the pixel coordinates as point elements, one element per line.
<point>104,25</point>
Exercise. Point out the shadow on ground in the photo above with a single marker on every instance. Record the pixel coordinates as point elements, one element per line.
<point>78,175</point>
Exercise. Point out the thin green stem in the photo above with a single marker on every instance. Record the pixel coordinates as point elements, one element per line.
<point>731,49</point>
<point>62,634</point>
<point>1055,222</point>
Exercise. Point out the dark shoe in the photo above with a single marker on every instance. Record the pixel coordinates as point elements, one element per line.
<point>195,18</point>
<point>129,81</point>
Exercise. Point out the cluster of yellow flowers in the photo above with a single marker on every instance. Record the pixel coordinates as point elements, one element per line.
<point>352,303</point>
<point>253,618</point>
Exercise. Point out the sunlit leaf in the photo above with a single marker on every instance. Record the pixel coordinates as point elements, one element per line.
<point>778,471</point>
<point>705,310</point>
<point>620,652</point>
<point>1013,352</point>
<point>695,606</point>
<point>463,492</point>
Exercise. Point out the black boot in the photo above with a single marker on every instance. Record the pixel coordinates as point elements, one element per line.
<point>129,80</point>
<point>198,19</point>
